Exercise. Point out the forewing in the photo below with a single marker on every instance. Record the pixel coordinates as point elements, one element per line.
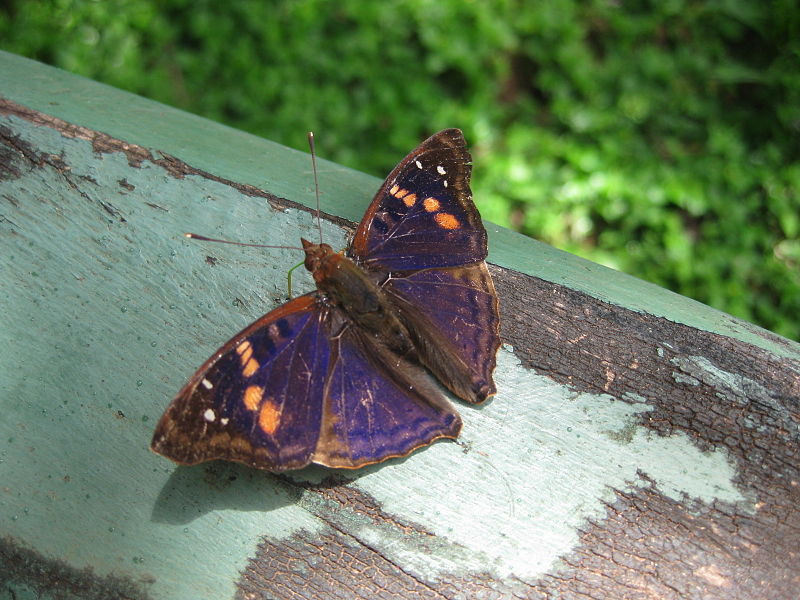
<point>258,400</point>
<point>457,332</point>
<point>377,405</point>
<point>423,215</point>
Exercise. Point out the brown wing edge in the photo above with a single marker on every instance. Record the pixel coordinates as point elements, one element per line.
<point>448,140</point>
<point>185,446</point>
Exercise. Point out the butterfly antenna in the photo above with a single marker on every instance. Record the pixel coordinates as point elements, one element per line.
<point>316,181</point>
<point>202,238</point>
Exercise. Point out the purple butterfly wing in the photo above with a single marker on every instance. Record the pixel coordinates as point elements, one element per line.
<point>378,405</point>
<point>423,215</point>
<point>423,239</point>
<point>288,391</point>
<point>456,334</point>
<point>258,399</point>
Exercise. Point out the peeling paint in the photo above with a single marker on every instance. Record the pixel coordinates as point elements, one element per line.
<point>560,467</point>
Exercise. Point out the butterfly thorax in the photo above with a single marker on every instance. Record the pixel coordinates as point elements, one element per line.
<point>348,287</point>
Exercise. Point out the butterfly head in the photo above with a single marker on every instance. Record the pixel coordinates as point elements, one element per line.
<point>318,258</point>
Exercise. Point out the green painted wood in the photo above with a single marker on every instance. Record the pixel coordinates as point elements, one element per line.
<point>244,158</point>
<point>106,310</point>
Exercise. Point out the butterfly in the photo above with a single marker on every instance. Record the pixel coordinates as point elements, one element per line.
<point>346,375</point>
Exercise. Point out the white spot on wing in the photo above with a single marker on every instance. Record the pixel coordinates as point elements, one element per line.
<point>440,170</point>
<point>224,420</point>
<point>210,415</point>
<point>445,183</point>
<point>207,384</point>
<point>419,164</point>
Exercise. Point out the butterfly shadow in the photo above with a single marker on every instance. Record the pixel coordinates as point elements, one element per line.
<point>191,492</point>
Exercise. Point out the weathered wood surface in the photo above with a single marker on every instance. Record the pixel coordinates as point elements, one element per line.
<point>641,445</point>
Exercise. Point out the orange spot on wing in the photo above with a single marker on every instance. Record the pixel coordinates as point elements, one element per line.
<point>269,417</point>
<point>401,193</point>
<point>446,221</point>
<point>252,396</point>
<point>245,352</point>
<point>431,204</point>
<point>249,364</point>
<point>409,200</point>
<point>250,367</point>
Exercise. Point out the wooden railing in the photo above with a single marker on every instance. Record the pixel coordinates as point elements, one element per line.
<point>641,445</point>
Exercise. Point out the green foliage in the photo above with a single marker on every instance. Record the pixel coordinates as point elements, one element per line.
<point>660,138</point>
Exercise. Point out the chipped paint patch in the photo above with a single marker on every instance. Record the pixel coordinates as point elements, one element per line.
<point>528,514</point>
<point>697,370</point>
